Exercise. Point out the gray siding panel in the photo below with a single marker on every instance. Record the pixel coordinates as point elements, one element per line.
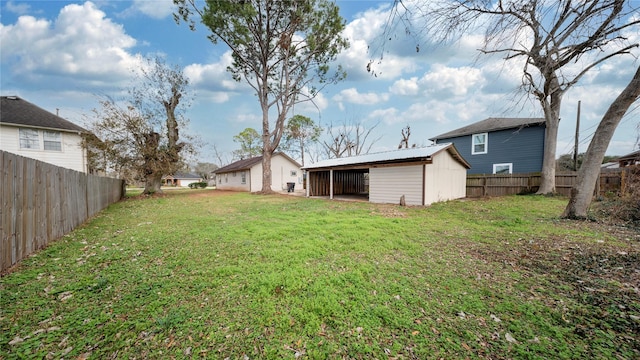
<point>524,148</point>
<point>388,184</point>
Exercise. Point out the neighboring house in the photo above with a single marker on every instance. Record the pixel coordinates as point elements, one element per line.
<point>180,179</point>
<point>500,145</point>
<point>420,176</point>
<point>246,175</point>
<point>629,159</point>
<point>30,131</point>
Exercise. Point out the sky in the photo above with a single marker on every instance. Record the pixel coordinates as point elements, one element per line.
<point>64,55</point>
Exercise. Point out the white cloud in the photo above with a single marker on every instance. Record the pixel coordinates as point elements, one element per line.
<point>389,116</point>
<point>157,9</point>
<point>365,38</point>
<point>213,76</point>
<point>443,82</point>
<point>312,107</point>
<point>19,9</point>
<point>81,44</point>
<point>248,118</point>
<point>351,95</point>
<point>405,87</point>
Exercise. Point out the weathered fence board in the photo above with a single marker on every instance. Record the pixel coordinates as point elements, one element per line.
<point>510,184</point>
<point>42,202</point>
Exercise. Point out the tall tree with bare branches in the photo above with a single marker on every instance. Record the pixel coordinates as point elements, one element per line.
<point>281,48</point>
<point>140,133</point>
<point>557,42</point>
<point>349,139</point>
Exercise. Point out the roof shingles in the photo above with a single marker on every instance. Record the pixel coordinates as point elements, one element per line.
<point>19,112</point>
<point>490,124</point>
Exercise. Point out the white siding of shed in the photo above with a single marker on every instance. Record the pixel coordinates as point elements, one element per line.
<point>226,181</point>
<point>388,184</point>
<point>72,155</point>
<point>281,174</point>
<point>256,178</point>
<point>445,179</point>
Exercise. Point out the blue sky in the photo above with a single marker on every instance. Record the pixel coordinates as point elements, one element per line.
<point>61,54</point>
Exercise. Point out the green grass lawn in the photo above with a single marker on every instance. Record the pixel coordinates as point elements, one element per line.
<point>205,273</point>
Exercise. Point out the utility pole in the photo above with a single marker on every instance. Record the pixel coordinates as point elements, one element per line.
<point>575,147</point>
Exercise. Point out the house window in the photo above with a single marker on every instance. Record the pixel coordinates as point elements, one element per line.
<point>234,174</point>
<point>479,143</point>
<point>502,168</point>
<point>243,177</point>
<point>29,139</point>
<point>52,140</point>
<point>294,173</point>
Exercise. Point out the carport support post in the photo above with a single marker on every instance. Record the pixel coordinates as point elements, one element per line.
<point>331,184</point>
<point>307,179</point>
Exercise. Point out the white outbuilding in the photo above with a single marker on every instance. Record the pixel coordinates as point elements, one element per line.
<point>416,176</point>
<point>246,174</point>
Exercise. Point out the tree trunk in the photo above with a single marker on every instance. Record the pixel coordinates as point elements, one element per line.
<point>552,119</point>
<point>582,191</point>
<point>152,184</point>
<point>152,178</point>
<point>266,152</point>
<point>266,172</point>
<point>548,176</point>
<point>302,150</point>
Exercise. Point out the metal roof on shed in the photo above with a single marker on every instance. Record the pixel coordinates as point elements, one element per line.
<point>394,156</point>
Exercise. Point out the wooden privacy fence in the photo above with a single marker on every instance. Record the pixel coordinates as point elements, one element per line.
<point>610,181</point>
<point>42,202</point>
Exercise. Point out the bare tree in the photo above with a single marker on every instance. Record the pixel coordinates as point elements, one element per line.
<point>349,139</point>
<point>140,133</point>
<point>205,169</point>
<point>549,36</point>
<point>582,191</point>
<point>222,157</point>
<point>406,132</point>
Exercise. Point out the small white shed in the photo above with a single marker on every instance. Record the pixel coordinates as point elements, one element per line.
<point>246,175</point>
<point>421,175</point>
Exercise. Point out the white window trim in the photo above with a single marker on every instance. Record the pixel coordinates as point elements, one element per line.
<point>510,165</point>
<point>51,137</point>
<point>473,144</point>
<point>29,140</point>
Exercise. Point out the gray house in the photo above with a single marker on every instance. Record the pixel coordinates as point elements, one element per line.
<point>500,145</point>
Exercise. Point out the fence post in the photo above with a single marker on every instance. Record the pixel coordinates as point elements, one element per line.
<point>484,185</point>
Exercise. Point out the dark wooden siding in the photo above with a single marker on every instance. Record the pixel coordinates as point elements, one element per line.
<point>523,148</point>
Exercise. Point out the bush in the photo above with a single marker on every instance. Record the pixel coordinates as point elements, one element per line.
<point>195,185</point>
<point>626,207</point>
